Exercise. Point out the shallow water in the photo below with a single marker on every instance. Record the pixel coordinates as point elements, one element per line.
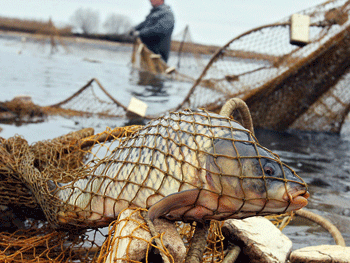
<point>28,67</point>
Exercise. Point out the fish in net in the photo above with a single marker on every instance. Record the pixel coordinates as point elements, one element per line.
<point>187,165</point>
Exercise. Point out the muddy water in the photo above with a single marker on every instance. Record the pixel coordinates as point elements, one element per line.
<point>28,67</point>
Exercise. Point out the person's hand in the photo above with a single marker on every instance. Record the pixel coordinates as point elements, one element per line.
<point>133,33</point>
<point>130,32</point>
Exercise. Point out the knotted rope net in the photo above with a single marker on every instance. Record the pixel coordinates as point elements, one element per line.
<point>305,84</point>
<point>58,196</point>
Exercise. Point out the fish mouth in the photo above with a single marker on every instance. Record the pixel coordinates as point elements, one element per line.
<point>297,198</point>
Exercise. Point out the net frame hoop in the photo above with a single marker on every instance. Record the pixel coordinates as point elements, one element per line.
<point>220,51</point>
<point>238,104</point>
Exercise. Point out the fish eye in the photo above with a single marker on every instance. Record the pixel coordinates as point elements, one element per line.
<point>269,169</point>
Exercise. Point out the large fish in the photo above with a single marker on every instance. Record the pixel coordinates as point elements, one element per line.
<point>189,165</point>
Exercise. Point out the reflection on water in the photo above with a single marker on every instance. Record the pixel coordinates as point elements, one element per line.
<point>160,93</point>
<point>150,85</point>
<point>321,159</point>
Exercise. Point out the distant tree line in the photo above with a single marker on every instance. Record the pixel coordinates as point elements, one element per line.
<point>32,26</point>
<point>87,21</point>
<point>84,22</point>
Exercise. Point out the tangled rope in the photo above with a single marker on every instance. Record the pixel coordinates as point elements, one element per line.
<point>332,229</point>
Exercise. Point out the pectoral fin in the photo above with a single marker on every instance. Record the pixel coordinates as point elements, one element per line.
<point>172,202</point>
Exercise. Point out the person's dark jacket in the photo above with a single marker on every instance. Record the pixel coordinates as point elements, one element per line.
<point>155,31</point>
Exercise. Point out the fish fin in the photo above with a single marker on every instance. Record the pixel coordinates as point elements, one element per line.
<point>153,199</point>
<point>172,202</point>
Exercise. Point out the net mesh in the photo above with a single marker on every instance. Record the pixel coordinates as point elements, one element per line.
<point>58,196</point>
<point>305,85</point>
<point>302,84</point>
<point>214,251</point>
<point>189,57</point>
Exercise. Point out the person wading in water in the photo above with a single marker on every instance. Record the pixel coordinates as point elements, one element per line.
<point>155,32</point>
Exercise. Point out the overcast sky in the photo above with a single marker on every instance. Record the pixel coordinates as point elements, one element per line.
<point>210,22</point>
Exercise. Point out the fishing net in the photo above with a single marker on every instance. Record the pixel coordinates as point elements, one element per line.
<point>303,85</point>
<point>214,251</point>
<point>90,100</point>
<point>58,196</point>
<point>188,57</point>
<point>21,108</point>
<point>27,233</point>
<point>284,85</point>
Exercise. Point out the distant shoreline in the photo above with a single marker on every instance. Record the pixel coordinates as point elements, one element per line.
<point>39,29</point>
<point>69,39</point>
<point>113,40</point>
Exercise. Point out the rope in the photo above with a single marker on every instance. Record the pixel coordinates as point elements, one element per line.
<point>232,255</point>
<point>237,104</point>
<point>154,234</point>
<point>338,238</point>
<point>198,243</point>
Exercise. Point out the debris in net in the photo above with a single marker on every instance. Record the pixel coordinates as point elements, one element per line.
<point>171,239</point>
<point>198,243</point>
<point>259,240</point>
<point>21,109</point>
<point>132,239</point>
<point>321,254</point>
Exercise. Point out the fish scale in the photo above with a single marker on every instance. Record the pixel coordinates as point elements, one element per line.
<point>167,156</point>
